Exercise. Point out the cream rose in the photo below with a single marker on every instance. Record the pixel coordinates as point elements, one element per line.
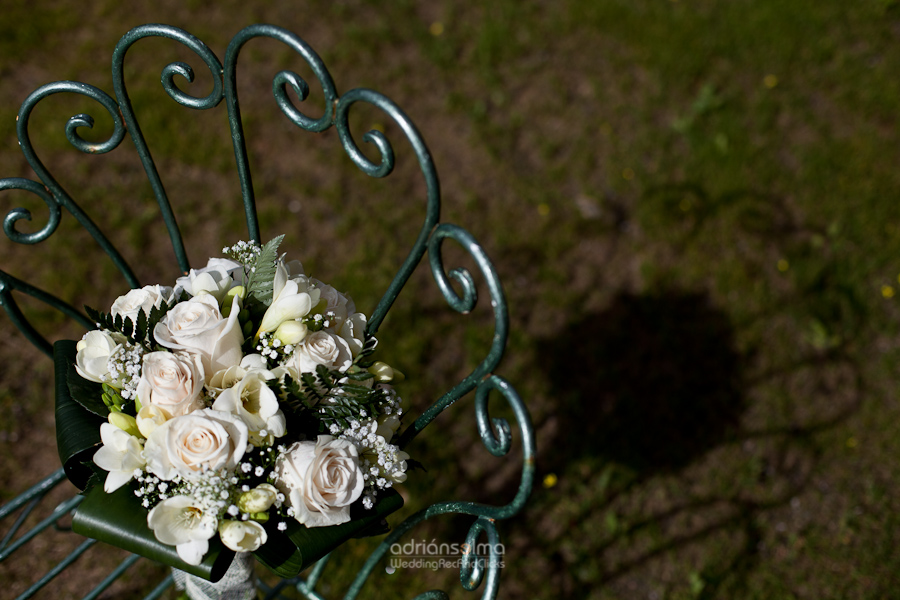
<point>197,325</point>
<point>321,479</point>
<point>353,330</point>
<point>191,444</point>
<point>93,352</point>
<point>172,382</point>
<point>143,299</point>
<point>335,302</point>
<point>322,348</point>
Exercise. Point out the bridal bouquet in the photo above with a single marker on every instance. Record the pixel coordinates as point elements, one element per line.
<point>239,403</point>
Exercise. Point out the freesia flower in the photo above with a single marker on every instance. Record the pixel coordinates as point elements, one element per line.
<point>180,522</point>
<point>120,454</point>
<point>289,301</point>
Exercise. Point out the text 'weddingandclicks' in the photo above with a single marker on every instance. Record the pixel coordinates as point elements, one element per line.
<point>421,554</point>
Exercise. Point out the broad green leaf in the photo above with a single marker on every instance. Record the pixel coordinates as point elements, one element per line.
<point>120,520</point>
<point>88,394</point>
<point>287,553</point>
<point>77,429</point>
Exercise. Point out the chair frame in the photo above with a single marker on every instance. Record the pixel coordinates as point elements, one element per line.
<point>496,434</point>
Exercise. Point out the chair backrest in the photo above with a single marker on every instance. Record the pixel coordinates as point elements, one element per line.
<point>496,434</point>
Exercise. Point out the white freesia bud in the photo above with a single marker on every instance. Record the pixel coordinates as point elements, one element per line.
<point>287,306</point>
<point>253,362</point>
<point>228,301</point>
<point>242,536</point>
<point>179,522</point>
<point>120,454</point>
<point>125,422</point>
<point>383,372</point>
<point>258,500</point>
<point>149,418</point>
<point>292,299</point>
<point>291,332</point>
<point>93,352</point>
<point>387,426</point>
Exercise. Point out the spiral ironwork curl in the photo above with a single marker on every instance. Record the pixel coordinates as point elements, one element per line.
<point>18,214</point>
<point>167,79</point>
<point>497,440</point>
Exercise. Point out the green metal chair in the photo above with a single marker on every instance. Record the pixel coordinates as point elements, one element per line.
<point>496,434</point>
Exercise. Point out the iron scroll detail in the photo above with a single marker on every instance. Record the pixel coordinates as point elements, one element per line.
<point>496,434</point>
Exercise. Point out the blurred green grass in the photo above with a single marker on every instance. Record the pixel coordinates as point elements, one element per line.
<point>692,206</point>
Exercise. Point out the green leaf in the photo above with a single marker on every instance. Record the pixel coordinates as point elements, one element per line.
<point>260,283</point>
<point>120,520</point>
<point>77,429</point>
<point>88,394</point>
<point>289,552</point>
<point>140,332</point>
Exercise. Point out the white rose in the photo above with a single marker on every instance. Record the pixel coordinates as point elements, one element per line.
<point>255,403</point>
<point>190,444</point>
<point>93,352</point>
<point>322,479</point>
<point>353,330</point>
<point>197,325</point>
<point>340,304</point>
<point>242,536</point>
<point>173,382</point>
<point>120,454</point>
<point>322,348</point>
<point>179,522</point>
<point>143,299</point>
<point>216,278</point>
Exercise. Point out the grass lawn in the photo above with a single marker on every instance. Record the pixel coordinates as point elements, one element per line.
<point>692,205</point>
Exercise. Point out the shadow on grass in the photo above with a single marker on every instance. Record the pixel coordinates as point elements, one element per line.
<point>651,383</point>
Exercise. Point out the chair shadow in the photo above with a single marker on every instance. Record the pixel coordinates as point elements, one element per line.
<point>651,383</point>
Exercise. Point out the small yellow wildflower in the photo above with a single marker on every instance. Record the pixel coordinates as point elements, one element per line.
<point>770,81</point>
<point>436,29</point>
<point>887,291</point>
<point>550,480</point>
<point>783,265</point>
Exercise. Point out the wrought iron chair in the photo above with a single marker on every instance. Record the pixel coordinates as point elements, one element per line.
<point>25,518</point>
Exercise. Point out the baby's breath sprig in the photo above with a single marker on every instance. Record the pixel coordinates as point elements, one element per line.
<point>243,252</point>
